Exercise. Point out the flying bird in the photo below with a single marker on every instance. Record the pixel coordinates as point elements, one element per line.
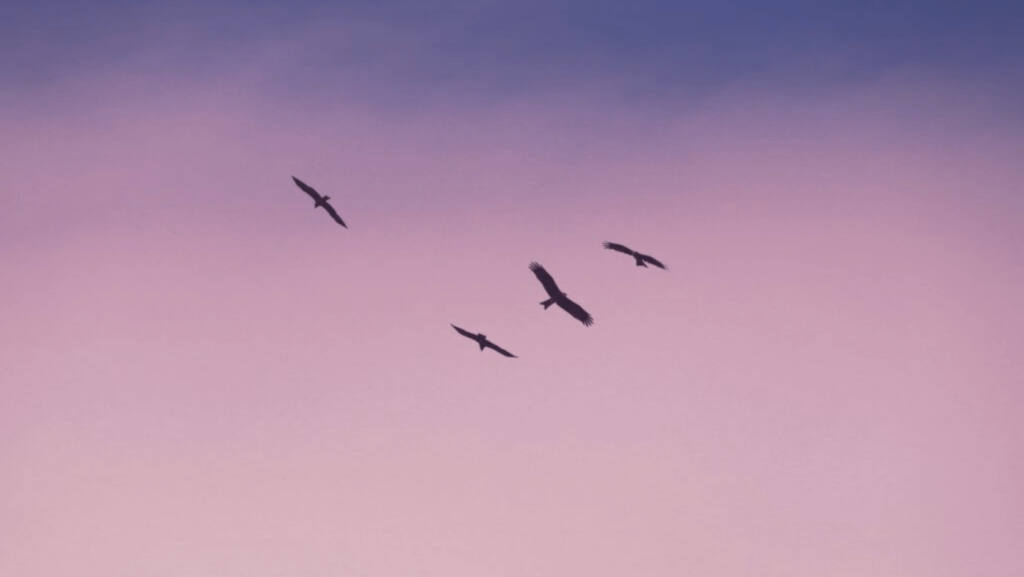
<point>483,342</point>
<point>641,259</point>
<point>320,201</point>
<point>558,297</point>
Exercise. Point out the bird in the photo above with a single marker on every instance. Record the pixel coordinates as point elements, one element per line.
<point>483,342</point>
<point>558,297</point>
<point>320,201</point>
<point>641,259</point>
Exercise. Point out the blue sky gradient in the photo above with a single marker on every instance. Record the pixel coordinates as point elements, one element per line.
<point>405,52</point>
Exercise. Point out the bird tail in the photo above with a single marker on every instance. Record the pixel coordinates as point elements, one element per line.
<point>481,346</point>
<point>548,303</point>
<point>640,262</point>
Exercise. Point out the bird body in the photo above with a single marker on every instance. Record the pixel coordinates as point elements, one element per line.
<point>641,259</point>
<point>481,340</point>
<point>557,297</point>
<point>319,201</point>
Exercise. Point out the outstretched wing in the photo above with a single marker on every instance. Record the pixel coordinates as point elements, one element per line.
<point>651,260</point>
<point>307,189</point>
<point>334,214</point>
<point>575,310</point>
<point>465,333</point>
<point>618,247</point>
<point>499,349</point>
<point>546,280</point>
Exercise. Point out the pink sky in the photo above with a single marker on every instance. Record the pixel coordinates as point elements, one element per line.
<point>203,376</point>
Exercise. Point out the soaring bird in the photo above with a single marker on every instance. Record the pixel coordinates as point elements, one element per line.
<point>558,297</point>
<point>320,201</point>
<point>641,259</point>
<point>483,342</point>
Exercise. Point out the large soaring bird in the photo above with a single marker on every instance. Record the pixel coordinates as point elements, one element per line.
<point>641,259</point>
<point>483,342</point>
<point>558,297</point>
<point>320,201</point>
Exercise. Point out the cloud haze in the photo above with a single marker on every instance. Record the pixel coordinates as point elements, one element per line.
<point>201,375</point>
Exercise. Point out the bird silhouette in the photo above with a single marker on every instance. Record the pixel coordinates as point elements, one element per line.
<point>558,297</point>
<point>483,342</point>
<point>320,201</point>
<point>641,259</point>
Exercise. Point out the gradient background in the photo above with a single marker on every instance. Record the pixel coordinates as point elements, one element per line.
<point>201,376</point>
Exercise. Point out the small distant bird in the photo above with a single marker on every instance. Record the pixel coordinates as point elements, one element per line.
<point>483,342</point>
<point>558,297</point>
<point>320,201</point>
<point>641,259</point>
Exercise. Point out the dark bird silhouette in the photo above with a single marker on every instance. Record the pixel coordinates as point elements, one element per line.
<point>483,342</point>
<point>641,259</point>
<point>558,297</point>
<point>320,201</point>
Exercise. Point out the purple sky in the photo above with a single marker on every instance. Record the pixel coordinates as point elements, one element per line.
<point>201,376</point>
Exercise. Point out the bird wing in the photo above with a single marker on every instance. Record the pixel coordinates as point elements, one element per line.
<point>651,260</point>
<point>307,189</point>
<point>546,280</point>
<point>334,214</point>
<point>618,247</point>
<point>499,349</point>
<point>465,333</point>
<point>575,310</point>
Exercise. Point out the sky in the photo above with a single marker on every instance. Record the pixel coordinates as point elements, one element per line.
<point>201,375</point>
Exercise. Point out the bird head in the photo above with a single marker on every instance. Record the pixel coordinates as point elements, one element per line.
<point>481,336</point>
<point>326,198</point>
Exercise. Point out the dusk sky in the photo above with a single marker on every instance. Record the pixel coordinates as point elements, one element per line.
<point>203,376</point>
